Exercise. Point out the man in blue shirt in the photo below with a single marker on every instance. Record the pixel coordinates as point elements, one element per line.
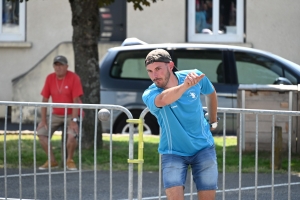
<point>185,140</point>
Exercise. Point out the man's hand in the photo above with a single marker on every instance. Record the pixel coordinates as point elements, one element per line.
<point>211,128</point>
<point>192,79</point>
<point>42,124</point>
<point>73,126</point>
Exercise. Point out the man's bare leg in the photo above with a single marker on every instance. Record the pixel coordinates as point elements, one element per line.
<point>71,146</point>
<point>44,143</point>
<point>175,193</point>
<point>207,195</point>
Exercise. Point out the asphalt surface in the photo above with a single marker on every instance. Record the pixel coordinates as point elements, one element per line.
<point>119,184</point>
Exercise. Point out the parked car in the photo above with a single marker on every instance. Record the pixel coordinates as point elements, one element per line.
<point>124,78</point>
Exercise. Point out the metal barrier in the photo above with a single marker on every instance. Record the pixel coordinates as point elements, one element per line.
<point>9,177</point>
<point>241,138</point>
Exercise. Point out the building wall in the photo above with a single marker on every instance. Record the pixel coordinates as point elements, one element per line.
<point>273,25</point>
<point>162,22</point>
<point>27,88</point>
<point>48,23</point>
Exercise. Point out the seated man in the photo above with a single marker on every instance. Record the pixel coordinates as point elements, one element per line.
<point>64,87</point>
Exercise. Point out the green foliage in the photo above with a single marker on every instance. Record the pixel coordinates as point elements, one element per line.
<point>137,4</point>
<point>103,3</point>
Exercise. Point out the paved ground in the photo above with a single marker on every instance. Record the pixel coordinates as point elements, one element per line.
<point>119,185</point>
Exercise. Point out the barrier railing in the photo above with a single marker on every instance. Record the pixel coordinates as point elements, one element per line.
<point>12,177</point>
<point>7,190</point>
<point>241,143</point>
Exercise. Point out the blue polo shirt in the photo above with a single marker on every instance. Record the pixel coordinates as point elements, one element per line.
<point>184,130</point>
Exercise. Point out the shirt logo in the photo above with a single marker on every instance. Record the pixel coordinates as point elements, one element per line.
<point>66,87</point>
<point>174,106</point>
<point>191,95</point>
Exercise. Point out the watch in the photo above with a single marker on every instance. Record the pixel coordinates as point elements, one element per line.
<point>74,119</point>
<point>214,125</point>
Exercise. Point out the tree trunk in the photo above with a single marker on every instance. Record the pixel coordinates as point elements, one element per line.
<point>86,32</point>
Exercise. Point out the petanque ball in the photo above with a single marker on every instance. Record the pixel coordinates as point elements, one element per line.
<point>103,114</point>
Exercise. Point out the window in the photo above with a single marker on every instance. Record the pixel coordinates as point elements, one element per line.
<point>291,77</point>
<point>215,21</point>
<point>134,68</point>
<point>207,61</point>
<point>12,26</point>
<point>252,68</point>
<point>130,65</point>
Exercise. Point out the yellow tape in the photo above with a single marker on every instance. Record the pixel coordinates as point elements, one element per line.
<point>135,121</point>
<point>136,161</point>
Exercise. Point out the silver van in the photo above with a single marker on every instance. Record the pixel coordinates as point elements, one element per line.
<point>123,77</point>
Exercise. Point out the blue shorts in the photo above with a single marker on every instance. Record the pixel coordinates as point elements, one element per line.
<point>204,168</point>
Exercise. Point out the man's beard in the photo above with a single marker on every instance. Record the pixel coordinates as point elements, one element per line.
<point>165,81</point>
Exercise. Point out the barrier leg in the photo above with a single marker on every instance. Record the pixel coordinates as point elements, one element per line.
<point>140,159</point>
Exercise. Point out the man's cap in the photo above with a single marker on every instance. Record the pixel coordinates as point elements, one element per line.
<point>60,59</point>
<point>159,55</point>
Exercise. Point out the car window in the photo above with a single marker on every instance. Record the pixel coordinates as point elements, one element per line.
<point>207,61</point>
<point>291,77</point>
<point>254,68</point>
<point>130,65</point>
<point>134,68</point>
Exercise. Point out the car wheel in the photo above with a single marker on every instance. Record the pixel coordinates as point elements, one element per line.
<point>147,130</point>
<point>150,125</point>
